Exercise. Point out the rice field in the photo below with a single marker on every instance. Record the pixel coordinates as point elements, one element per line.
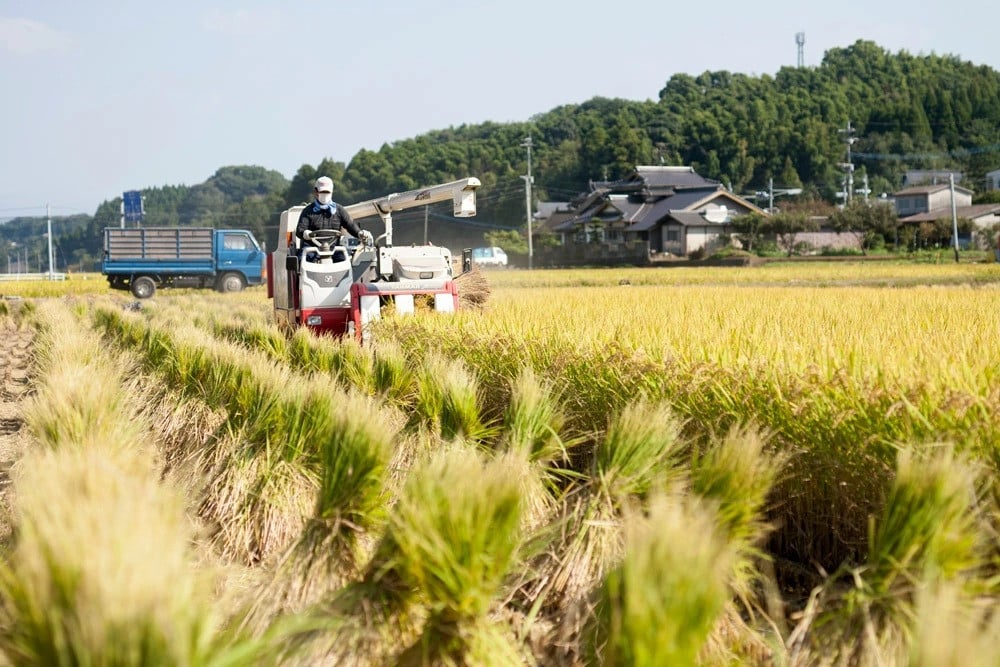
<point>777,465</point>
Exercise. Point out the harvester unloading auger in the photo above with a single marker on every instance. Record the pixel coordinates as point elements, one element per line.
<point>325,285</point>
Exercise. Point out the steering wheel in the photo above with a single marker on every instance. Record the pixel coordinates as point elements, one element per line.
<point>324,239</point>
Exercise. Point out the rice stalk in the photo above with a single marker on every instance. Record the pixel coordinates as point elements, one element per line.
<point>392,377</point>
<point>75,406</point>
<point>447,401</point>
<point>101,572</point>
<point>258,506</point>
<point>454,532</point>
<point>350,500</point>
<point>658,606</point>
<point>737,476</point>
<point>929,528</point>
<point>309,353</point>
<point>534,421</point>
<point>473,289</point>
<point>928,534</point>
<point>585,540</point>
<point>268,340</point>
<point>953,629</point>
<point>640,451</point>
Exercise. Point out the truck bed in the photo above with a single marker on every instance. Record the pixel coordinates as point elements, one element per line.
<point>159,244</point>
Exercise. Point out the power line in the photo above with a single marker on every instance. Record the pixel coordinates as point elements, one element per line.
<point>959,152</point>
<point>42,209</point>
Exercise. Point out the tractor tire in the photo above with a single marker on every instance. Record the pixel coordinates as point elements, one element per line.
<point>231,282</point>
<point>143,287</point>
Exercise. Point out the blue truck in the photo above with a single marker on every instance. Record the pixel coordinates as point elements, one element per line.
<point>142,260</point>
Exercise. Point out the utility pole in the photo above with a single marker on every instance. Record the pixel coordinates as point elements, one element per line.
<point>425,223</point>
<point>527,192</point>
<point>954,214</point>
<point>770,195</point>
<point>48,219</point>
<point>848,166</point>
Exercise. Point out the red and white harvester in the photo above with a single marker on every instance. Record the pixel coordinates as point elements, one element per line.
<point>331,287</point>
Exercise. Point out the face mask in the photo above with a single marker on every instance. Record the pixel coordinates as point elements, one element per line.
<point>324,197</point>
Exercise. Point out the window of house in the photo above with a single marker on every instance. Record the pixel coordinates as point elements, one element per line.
<point>673,235</point>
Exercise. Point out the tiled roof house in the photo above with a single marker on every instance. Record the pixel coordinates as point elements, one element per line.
<point>658,209</point>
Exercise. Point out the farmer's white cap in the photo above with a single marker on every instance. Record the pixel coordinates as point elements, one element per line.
<point>324,184</point>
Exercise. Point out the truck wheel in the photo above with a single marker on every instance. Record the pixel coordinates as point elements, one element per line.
<point>143,287</point>
<point>231,282</point>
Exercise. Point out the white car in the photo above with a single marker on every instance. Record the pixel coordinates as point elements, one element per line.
<point>492,256</point>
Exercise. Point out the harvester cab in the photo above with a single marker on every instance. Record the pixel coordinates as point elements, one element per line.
<point>332,288</point>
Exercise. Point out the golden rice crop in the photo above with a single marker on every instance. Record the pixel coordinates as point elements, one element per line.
<point>545,427</point>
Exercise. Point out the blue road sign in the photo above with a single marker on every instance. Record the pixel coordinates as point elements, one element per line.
<point>132,201</point>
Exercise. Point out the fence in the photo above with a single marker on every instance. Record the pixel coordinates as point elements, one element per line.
<point>31,276</point>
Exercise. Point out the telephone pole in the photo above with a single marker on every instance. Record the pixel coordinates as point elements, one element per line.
<point>48,219</point>
<point>954,214</point>
<point>527,193</point>
<point>848,166</point>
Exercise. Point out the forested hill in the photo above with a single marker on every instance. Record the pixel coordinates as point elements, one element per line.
<point>907,112</point>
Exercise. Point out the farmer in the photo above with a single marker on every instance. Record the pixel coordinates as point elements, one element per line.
<point>324,213</point>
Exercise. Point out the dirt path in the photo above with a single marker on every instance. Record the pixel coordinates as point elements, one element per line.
<point>15,364</point>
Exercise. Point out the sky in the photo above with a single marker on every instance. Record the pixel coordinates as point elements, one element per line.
<point>100,97</point>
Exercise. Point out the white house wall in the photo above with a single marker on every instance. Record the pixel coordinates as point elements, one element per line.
<point>942,199</point>
<point>702,237</point>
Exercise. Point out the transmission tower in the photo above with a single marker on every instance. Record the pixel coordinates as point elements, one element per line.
<point>800,42</point>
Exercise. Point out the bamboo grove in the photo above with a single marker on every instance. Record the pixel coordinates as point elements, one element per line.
<point>688,469</point>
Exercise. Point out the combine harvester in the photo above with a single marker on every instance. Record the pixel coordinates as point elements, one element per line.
<point>332,289</point>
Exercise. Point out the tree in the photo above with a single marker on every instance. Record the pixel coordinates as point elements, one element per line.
<point>241,182</point>
<point>786,228</point>
<point>749,229</point>
<point>865,222</point>
<point>512,241</point>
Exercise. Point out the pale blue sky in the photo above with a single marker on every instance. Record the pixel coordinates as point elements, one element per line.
<point>105,96</point>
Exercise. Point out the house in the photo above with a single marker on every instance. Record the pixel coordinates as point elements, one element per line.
<point>933,203</point>
<point>656,210</point>
<point>925,198</point>
<point>546,209</point>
